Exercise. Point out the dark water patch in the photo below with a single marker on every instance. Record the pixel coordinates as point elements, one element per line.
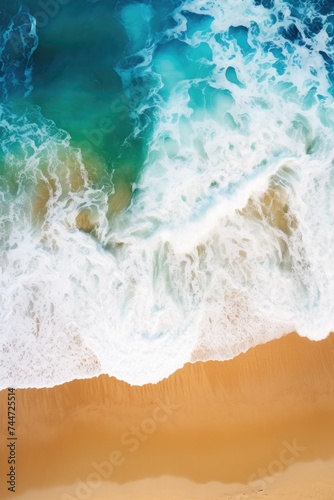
<point>324,7</point>
<point>18,41</point>
<point>197,22</point>
<point>267,4</point>
<point>76,83</point>
<point>292,34</point>
<point>277,52</point>
<point>313,26</point>
<point>301,8</point>
<point>280,16</point>
<point>330,26</point>
<point>232,77</point>
<point>222,40</point>
<point>328,59</point>
<point>254,30</point>
<point>240,34</point>
<point>329,65</point>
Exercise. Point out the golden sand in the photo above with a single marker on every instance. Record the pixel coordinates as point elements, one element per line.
<point>260,425</point>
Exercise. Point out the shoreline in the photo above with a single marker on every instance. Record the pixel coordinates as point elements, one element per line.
<point>261,414</point>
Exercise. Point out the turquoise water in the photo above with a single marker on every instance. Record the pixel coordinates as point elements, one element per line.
<point>166,183</point>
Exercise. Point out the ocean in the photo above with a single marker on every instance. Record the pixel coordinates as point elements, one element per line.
<point>166,183</point>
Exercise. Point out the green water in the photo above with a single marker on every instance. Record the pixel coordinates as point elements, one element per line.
<point>77,86</point>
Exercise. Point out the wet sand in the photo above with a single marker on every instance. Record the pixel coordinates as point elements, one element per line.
<point>260,425</point>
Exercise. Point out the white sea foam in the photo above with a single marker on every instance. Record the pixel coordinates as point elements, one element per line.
<point>229,239</point>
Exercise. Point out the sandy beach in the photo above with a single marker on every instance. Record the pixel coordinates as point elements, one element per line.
<point>260,425</point>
